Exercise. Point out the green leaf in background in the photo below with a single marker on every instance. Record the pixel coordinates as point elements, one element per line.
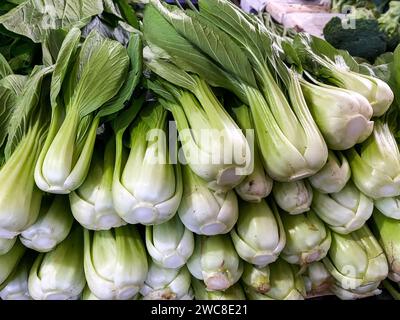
<point>34,19</point>
<point>128,13</point>
<point>19,51</point>
<point>109,27</point>
<point>11,87</point>
<point>52,46</point>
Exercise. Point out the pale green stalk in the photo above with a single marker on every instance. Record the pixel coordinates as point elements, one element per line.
<point>358,264</point>
<point>334,174</point>
<point>293,197</point>
<point>167,284</point>
<point>216,262</point>
<point>16,286</point>
<point>343,211</point>
<point>258,235</point>
<point>285,284</point>
<point>307,238</point>
<point>52,226</point>
<point>115,262</point>
<point>390,207</point>
<point>58,274</point>
<point>256,278</point>
<point>375,165</point>
<point>10,260</point>
<point>343,116</point>
<point>6,245</point>
<point>169,244</point>
<point>234,292</point>
<point>387,231</point>
<point>147,187</point>
<point>204,211</point>
<point>257,185</point>
<point>92,204</point>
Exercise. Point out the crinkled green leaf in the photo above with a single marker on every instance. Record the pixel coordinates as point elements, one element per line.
<point>128,13</point>
<point>99,72</point>
<point>186,55</point>
<point>5,68</point>
<point>11,87</point>
<point>157,87</point>
<point>19,51</point>
<point>238,25</point>
<point>65,55</point>
<point>34,19</point>
<point>168,70</point>
<point>24,108</point>
<point>135,72</point>
<point>215,43</point>
<point>126,117</point>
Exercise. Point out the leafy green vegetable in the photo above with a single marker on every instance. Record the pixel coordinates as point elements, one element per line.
<point>9,261</point>
<point>26,128</point>
<point>58,274</point>
<point>92,203</point>
<point>238,53</point>
<point>375,165</point>
<point>366,40</point>
<point>257,278</point>
<point>293,197</point>
<point>147,187</point>
<point>317,280</point>
<point>234,292</point>
<point>65,158</point>
<point>205,211</point>
<point>257,185</point>
<point>213,145</point>
<point>16,286</point>
<point>387,233</point>
<point>6,245</point>
<point>335,69</point>
<point>307,238</point>
<point>115,262</point>
<point>390,207</point>
<point>358,264</point>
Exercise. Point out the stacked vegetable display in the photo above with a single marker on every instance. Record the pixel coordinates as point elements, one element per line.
<point>284,183</point>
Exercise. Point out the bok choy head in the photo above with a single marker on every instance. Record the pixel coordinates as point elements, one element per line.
<point>147,186</point>
<point>207,43</point>
<point>25,120</point>
<point>375,164</point>
<point>85,78</point>
<point>92,204</point>
<point>333,67</point>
